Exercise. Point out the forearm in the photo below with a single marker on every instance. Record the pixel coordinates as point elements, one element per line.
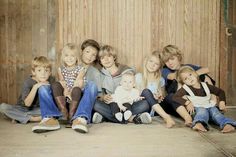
<point>202,71</point>
<point>30,98</point>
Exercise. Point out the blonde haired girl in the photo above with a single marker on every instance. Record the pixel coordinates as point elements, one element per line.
<point>152,85</point>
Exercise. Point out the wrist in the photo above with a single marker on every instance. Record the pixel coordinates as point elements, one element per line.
<point>187,103</point>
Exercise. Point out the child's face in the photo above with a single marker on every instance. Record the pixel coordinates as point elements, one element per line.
<point>107,61</point>
<point>153,64</point>
<point>89,55</point>
<point>70,58</point>
<point>127,82</point>
<point>189,78</point>
<point>41,74</point>
<point>173,63</point>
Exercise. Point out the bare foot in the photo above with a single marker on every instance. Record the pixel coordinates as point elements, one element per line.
<point>188,123</point>
<point>35,119</point>
<point>169,122</point>
<point>13,121</point>
<point>199,127</point>
<point>228,128</point>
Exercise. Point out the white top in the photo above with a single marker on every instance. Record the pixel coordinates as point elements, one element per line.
<point>200,101</point>
<point>122,96</point>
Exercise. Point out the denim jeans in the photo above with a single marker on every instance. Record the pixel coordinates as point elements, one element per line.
<point>203,115</point>
<point>105,109</point>
<point>49,108</point>
<point>87,101</point>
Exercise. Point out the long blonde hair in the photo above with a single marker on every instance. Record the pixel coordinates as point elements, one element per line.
<point>157,74</point>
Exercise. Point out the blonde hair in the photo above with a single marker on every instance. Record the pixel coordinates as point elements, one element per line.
<point>107,50</point>
<point>69,47</point>
<point>157,74</point>
<point>186,69</point>
<point>170,51</point>
<point>41,61</point>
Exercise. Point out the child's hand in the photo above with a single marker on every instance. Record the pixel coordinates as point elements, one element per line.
<point>107,98</point>
<point>122,108</point>
<point>158,96</point>
<point>63,83</point>
<point>190,108</point>
<point>222,106</point>
<point>138,99</point>
<point>37,85</point>
<point>213,99</point>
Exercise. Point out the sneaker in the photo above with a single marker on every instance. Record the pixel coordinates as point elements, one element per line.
<point>119,116</point>
<point>47,124</point>
<point>143,118</point>
<point>127,114</point>
<point>80,124</point>
<point>97,118</point>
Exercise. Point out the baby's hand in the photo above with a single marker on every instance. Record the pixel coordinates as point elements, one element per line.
<point>123,108</point>
<point>107,98</point>
<point>138,99</point>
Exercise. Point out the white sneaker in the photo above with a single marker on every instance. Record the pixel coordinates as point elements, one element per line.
<point>143,118</point>
<point>127,114</point>
<point>119,116</point>
<point>97,118</point>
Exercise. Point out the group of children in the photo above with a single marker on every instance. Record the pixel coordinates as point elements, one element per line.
<point>116,93</point>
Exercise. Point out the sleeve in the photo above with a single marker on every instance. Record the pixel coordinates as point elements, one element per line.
<point>217,91</point>
<point>195,67</point>
<point>165,72</point>
<point>26,88</point>
<point>162,82</point>
<point>139,81</point>
<point>178,96</point>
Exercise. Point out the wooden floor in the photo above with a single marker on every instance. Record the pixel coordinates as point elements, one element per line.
<point>116,140</point>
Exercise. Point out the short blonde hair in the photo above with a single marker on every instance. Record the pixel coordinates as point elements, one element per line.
<point>170,51</point>
<point>70,47</point>
<point>41,61</point>
<point>107,50</point>
<point>186,69</point>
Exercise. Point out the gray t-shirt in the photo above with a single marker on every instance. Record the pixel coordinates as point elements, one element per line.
<point>26,88</point>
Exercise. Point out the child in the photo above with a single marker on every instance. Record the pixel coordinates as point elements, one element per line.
<point>82,115</point>
<point>111,74</point>
<point>124,96</point>
<point>198,101</point>
<point>32,93</point>
<point>71,81</point>
<point>171,56</point>
<point>151,83</point>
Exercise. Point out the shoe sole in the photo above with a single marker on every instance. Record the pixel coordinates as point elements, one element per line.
<point>41,129</point>
<point>80,128</point>
<point>146,119</point>
<point>127,115</point>
<point>97,119</point>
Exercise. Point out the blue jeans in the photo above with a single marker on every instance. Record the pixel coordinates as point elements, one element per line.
<point>105,109</point>
<point>49,108</point>
<point>203,115</point>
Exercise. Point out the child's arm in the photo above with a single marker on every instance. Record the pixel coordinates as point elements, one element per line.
<point>30,98</point>
<point>202,70</point>
<point>220,93</point>
<point>79,82</point>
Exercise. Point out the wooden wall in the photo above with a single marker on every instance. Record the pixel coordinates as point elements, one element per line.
<point>133,27</point>
<point>27,29</point>
<point>137,27</point>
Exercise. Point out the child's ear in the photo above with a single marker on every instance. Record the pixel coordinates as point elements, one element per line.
<point>33,73</point>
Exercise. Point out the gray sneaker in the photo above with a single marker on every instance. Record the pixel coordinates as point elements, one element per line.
<point>97,118</point>
<point>143,118</point>
<point>46,124</point>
